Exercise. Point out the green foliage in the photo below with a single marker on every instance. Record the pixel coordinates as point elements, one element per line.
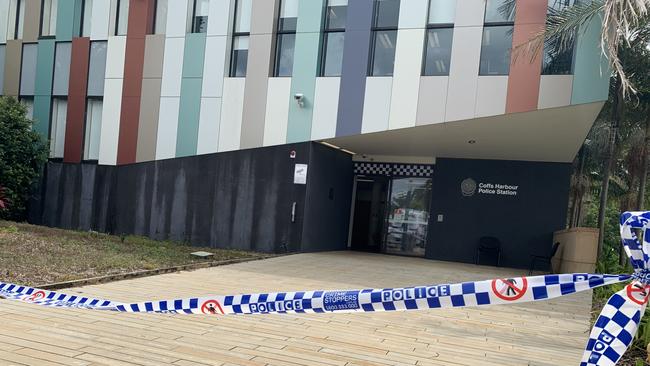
<point>22,154</point>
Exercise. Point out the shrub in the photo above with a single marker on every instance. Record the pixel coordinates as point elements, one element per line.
<point>22,154</point>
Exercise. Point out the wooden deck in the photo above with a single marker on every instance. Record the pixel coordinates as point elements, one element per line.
<point>543,333</point>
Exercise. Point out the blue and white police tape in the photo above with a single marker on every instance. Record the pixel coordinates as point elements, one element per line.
<point>609,339</point>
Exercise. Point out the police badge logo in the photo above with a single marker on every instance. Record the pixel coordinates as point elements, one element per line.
<point>468,187</point>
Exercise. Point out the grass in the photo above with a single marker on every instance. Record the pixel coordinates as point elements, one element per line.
<point>36,255</point>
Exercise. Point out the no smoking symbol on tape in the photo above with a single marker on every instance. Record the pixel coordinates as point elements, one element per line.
<point>638,293</point>
<point>510,289</point>
<point>211,307</point>
<point>35,296</point>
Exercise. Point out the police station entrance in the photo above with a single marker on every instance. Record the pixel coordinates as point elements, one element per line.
<point>390,211</point>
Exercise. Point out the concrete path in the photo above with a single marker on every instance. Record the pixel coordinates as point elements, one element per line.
<point>544,333</point>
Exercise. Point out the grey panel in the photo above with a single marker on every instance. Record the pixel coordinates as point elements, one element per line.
<point>154,49</point>
<point>97,68</point>
<point>62,68</point>
<point>28,69</point>
<point>2,67</point>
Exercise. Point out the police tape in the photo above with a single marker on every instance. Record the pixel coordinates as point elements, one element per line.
<point>611,335</point>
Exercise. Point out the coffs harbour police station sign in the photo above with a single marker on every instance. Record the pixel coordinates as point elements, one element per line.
<point>469,187</point>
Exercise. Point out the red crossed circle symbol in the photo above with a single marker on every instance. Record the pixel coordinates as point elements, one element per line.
<point>507,289</point>
<point>211,307</point>
<point>638,293</point>
<point>36,296</point>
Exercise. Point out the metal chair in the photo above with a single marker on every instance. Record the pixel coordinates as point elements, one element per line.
<point>542,258</point>
<point>488,245</point>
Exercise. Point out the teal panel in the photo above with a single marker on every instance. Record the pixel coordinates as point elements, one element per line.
<point>193,55</point>
<point>44,67</point>
<point>591,69</point>
<point>188,117</point>
<point>68,19</point>
<point>42,109</point>
<point>305,68</point>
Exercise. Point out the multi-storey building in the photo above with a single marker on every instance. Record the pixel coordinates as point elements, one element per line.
<point>406,127</point>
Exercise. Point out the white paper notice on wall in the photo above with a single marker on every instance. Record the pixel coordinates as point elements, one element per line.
<point>300,174</point>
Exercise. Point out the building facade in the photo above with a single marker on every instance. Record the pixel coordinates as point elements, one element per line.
<point>407,127</point>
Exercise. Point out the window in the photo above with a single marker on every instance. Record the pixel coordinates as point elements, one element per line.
<point>558,61</point>
<point>57,127</point>
<point>96,68</point>
<point>497,38</point>
<point>241,33</point>
<point>384,37</point>
<point>160,20</point>
<point>62,56</point>
<point>48,17</point>
<point>28,70</point>
<point>439,36</point>
<point>28,102</point>
<point>2,66</point>
<point>87,11</point>
<point>333,37</point>
<point>122,20</point>
<point>93,127</point>
<point>200,18</point>
<point>16,19</point>
<point>286,38</point>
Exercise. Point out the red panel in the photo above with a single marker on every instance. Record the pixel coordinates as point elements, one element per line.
<point>75,120</point>
<point>525,71</point>
<point>140,23</point>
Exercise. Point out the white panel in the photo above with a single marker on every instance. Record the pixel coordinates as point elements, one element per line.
<point>110,122</point>
<point>413,13</point>
<point>167,127</point>
<point>218,18</point>
<point>432,99</point>
<point>406,78</point>
<point>376,105</point>
<point>115,57</point>
<point>326,106</point>
<point>463,73</point>
<point>232,107</point>
<point>4,20</point>
<point>555,91</point>
<point>176,18</point>
<point>277,111</point>
<point>100,20</point>
<point>214,68</point>
<point>470,13</point>
<point>172,67</point>
<point>209,126</point>
<point>491,93</point>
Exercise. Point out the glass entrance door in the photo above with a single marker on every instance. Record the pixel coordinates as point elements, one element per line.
<point>408,216</point>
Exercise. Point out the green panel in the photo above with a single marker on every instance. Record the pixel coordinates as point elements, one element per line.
<point>68,19</point>
<point>42,108</point>
<point>193,55</point>
<point>305,68</point>
<point>44,67</point>
<point>591,70</point>
<point>188,117</point>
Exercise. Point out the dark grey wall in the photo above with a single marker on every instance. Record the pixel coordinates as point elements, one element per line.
<point>329,196</point>
<point>239,199</point>
<point>524,223</point>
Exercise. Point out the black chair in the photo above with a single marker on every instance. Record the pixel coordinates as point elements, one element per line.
<point>488,245</point>
<point>543,258</point>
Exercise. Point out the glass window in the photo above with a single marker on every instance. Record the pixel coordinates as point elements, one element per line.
<point>286,38</point>
<point>408,218</point>
<point>495,50</point>
<point>28,69</point>
<point>386,13</point>
<point>383,58</point>
<point>438,51</point>
<point>87,16</point>
<point>160,25</point>
<point>97,68</point>
<point>93,127</point>
<point>28,102</point>
<point>20,20</point>
<point>243,16</point>
<point>556,62</point>
<point>239,58</point>
<point>48,17</point>
<point>333,50</point>
<point>61,68</point>
<point>122,20</point>
<point>200,20</point>
<point>288,16</point>
<point>336,14</point>
<point>442,11</point>
<point>57,127</point>
<point>2,66</point>
<point>558,5</point>
<point>497,11</point>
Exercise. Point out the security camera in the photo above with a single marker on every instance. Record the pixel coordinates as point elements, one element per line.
<point>300,98</point>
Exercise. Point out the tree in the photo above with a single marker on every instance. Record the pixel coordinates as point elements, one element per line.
<point>22,154</point>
